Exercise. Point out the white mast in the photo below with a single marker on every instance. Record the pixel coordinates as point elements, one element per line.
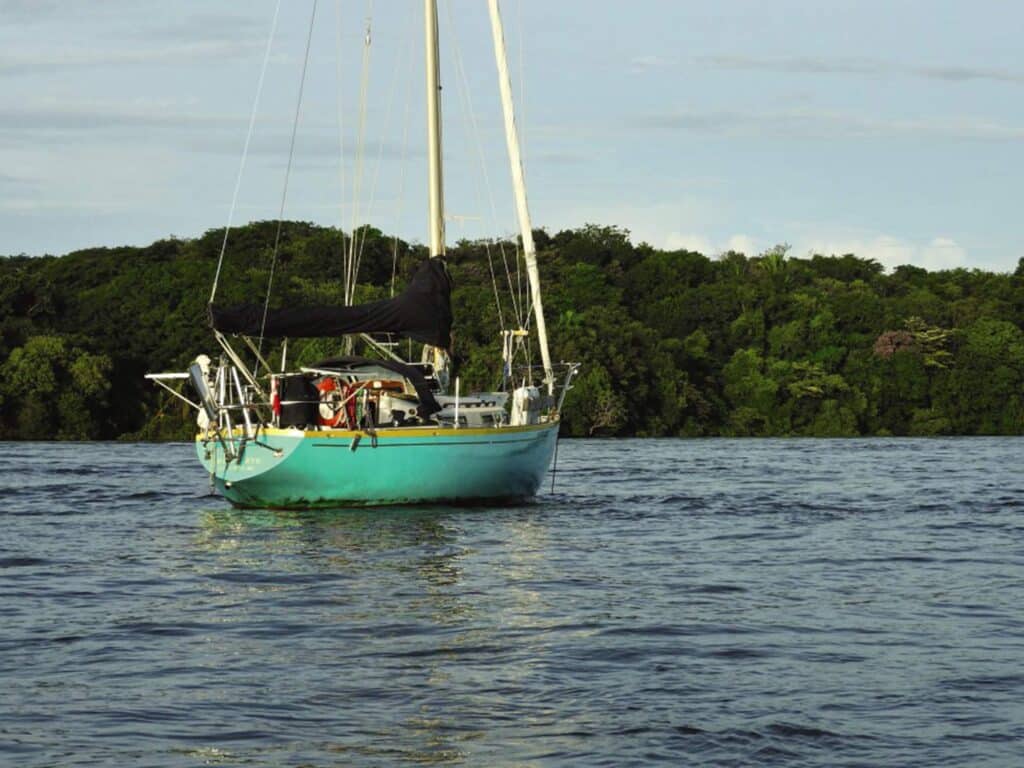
<point>436,183</point>
<point>519,183</point>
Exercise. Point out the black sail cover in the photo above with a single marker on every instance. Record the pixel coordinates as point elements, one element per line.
<point>422,312</point>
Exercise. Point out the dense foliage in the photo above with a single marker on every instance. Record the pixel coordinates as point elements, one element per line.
<point>672,343</point>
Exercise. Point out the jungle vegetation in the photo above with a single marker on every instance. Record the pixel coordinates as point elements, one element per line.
<point>671,342</point>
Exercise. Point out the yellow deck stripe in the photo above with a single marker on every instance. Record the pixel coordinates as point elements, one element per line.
<point>428,431</point>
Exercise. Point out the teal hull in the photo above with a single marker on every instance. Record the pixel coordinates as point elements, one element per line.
<point>301,470</point>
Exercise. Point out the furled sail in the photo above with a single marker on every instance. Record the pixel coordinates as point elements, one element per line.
<point>422,312</point>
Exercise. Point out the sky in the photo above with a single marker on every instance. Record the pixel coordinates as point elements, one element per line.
<point>893,129</point>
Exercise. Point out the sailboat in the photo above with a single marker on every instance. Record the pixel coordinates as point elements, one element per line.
<point>378,429</point>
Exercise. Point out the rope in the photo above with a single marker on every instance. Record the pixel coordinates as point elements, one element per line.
<point>287,176</point>
<point>245,150</point>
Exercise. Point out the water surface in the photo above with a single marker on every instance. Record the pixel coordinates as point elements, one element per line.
<point>716,602</point>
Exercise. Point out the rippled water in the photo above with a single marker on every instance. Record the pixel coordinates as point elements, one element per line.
<point>714,602</point>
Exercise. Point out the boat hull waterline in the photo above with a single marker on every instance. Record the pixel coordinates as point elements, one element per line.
<point>296,469</point>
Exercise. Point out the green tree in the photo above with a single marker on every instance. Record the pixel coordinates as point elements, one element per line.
<point>752,395</point>
<point>53,390</point>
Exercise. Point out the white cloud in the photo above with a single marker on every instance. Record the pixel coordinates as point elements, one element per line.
<point>818,123</point>
<point>654,223</point>
<point>712,228</point>
<point>25,205</point>
<point>689,241</point>
<point>28,10</point>
<point>811,65</point>
<point>36,61</point>
<point>692,222</point>
<point>742,244</point>
<point>707,245</point>
<point>943,253</point>
<point>640,65</point>
<point>938,253</point>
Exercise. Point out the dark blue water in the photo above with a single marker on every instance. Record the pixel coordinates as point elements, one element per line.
<point>811,603</point>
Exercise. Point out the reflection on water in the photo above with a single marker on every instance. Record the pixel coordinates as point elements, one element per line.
<point>415,540</point>
<point>406,577</point>
<point>318,532</point>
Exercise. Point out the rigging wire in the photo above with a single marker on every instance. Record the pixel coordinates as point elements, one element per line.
<point>470,116</point>
<point>357,182</point>
<point>341,128</point>
<point>401,180</point>
<point>245,149</point>
<point>520,255</point>
<point>380,154</point>
<point>525,294</point>
<point>287,176</point>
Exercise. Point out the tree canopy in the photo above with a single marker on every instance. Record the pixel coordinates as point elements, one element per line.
<point>671,342</point>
